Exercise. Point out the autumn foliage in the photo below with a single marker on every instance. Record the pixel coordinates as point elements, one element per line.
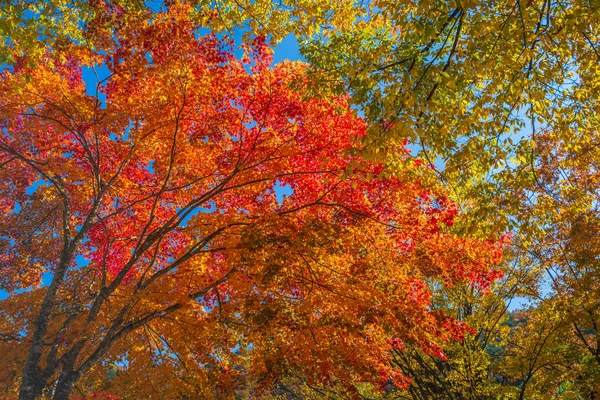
<point>149,208</point>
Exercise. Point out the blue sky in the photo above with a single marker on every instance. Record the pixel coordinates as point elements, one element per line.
<point>287,49</point>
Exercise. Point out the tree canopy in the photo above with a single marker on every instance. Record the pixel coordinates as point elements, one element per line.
<point>195,275</point>
<point>439,161</point>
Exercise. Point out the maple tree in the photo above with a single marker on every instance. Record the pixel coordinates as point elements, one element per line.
<point>171,266</point>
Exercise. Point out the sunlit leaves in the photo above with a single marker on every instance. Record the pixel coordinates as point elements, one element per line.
<point>169,256</point>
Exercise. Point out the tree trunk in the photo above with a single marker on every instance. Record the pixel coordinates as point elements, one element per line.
<point>31,385</point>
<point>65,385</point>
<point>32,382</point>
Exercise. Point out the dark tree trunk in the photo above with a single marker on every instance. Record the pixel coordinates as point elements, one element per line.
<point>31,385</point>
<point>65,385</point>
<point>32,382</point>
